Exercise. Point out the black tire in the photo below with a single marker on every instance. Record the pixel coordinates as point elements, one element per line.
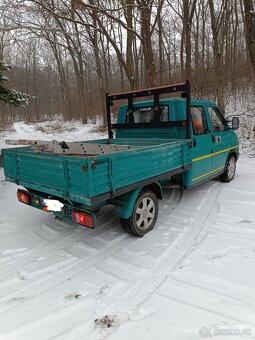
<point>230,170</point>
<point>144,216</point>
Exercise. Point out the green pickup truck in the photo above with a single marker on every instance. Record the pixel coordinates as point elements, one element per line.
<point>158,142</point>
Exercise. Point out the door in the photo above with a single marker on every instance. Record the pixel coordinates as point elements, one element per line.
<point>202,145</point>
<point>221,138</point>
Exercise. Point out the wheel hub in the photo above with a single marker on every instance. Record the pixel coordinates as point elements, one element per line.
<point>231,168</point>
<point>145,213</point>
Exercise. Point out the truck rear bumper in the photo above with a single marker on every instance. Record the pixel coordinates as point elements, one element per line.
<point>59,208</point>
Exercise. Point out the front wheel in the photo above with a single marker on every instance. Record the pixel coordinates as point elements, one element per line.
<point>230,170</point>
<point>144,216</point>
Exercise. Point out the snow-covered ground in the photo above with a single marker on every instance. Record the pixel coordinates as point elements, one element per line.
<point>56,129</point>
<point>192,277</point>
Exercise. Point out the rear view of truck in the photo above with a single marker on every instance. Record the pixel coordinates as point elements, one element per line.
<point>75,179</point>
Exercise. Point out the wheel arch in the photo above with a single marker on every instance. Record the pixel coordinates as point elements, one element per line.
<point>224,176</point>
<point>232,153</point>
<point>156,188</point>
<point>125,203</point>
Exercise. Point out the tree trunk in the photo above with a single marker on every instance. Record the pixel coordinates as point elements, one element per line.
<point>218,63</point>
<point>187,33</point>
<point>249,21</point>
<point>161,51</point>
<point>129,46</point>
<point>149,64</point>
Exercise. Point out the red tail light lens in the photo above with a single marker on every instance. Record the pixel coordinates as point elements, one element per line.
<point>83,218</point>
<point>23,197</point>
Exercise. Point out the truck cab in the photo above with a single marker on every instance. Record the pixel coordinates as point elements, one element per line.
<point>214,140</point>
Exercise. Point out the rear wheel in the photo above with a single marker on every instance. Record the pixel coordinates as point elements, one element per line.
<point>230,170</point>
<point>144,216</point>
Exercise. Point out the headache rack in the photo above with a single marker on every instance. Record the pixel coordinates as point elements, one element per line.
<point>155,92</point>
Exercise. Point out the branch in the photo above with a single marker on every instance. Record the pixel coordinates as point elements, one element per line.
<point>243,113</point>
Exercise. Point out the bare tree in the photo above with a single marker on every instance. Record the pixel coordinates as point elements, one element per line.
<point>68,53</point>
<point>219,25</point>
<point>249,17</point>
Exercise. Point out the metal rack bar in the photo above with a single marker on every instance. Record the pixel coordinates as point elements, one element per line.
<point>72,148</point>
<point>155,92</point>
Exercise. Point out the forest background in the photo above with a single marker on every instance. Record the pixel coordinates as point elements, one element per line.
<point>67,54</point>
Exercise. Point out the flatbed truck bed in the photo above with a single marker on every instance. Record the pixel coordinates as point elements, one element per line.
<point>91,179</point>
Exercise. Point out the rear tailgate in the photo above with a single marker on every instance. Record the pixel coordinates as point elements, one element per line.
<point>57,175</point>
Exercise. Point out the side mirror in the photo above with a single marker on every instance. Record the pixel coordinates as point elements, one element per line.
<point>235,123</point>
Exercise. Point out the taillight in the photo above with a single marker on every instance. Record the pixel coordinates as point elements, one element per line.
<point>83,218</point>
<point>23,197</point>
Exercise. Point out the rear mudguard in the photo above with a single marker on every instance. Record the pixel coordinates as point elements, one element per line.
<point>124,204</point>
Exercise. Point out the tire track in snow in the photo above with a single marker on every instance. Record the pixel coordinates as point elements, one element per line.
<point>11,267</point>
<point>233,234</point>
<point>31,290</point>
<point>140,292</point>
<point>15,265</point>
<point>172,256</point>
<point>216,293</point>
<point>231,307</point>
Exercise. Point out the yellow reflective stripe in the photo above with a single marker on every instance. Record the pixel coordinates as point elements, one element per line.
<point>208,173</point>
<point>213,154</point>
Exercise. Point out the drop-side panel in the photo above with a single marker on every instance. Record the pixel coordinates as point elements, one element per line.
<point>127,168</point>
<point>61,176</point>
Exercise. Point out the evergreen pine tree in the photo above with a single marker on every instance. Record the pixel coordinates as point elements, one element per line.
<point>10,96</point>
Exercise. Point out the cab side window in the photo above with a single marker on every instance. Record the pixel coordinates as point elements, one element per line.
<point>199,122</point>
<point>218,122</point>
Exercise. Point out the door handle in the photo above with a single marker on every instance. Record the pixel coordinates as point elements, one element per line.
<point>194,142</point>
<point>213,138</point>
<point>217,139</point>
